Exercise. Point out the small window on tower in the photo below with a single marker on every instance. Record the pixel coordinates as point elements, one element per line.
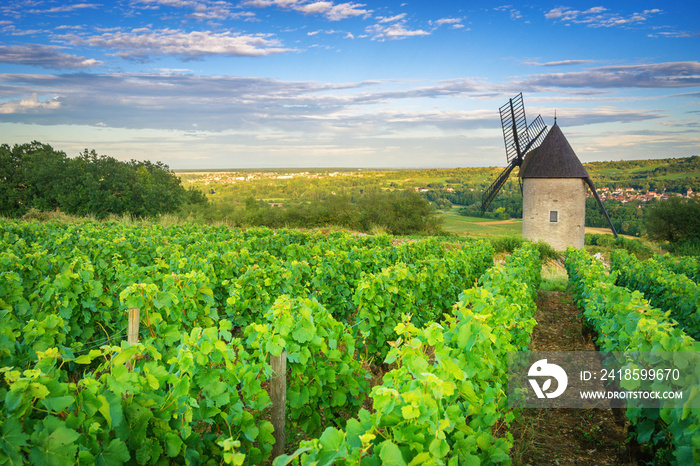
<point>553,216</point>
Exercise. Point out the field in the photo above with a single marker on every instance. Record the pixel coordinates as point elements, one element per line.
<point>452,222</point>
<point>478,227</point>
<point>396,349</point>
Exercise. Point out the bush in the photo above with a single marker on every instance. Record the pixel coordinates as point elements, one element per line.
<point>689,247</point>
<point>400,212</point>
<point>634,246</point>
<point>393,212</point>
<point>510,244</point>
<point>506,243</point>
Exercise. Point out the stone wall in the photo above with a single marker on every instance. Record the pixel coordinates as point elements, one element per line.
<point>567,197</point>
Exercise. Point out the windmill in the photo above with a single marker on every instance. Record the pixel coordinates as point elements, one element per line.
<point>519,138</point>
<point>552,179</point>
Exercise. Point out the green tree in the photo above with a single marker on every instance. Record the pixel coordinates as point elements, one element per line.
<point>43,171</point>
<point>32,175</point>
<point>675,220</point>
<point>36,176</point>
<point>11,202</point>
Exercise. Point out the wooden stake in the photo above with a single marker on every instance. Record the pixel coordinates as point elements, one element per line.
<point>278,396</point>
<point>133,335</point>
<point>133,331</point>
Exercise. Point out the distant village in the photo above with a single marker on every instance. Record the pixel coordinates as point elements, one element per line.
<point>234,177</point>
<point>626,195</point>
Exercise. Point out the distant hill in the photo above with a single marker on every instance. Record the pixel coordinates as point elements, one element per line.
<point>447,187</point>
<point>675,175</point>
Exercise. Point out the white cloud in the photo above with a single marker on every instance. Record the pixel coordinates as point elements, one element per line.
<point>598,16</point>
<point>29,105</point>
<point>201,9</point>
<point>346,10</point>
<point>562,14</point>
<point>653,76</point>
<point>514,13</point>
<point>614,141</point>
<point>332,11</point>
<point>144,42</point>
<point>315,8</point>
<point>603,114</point>
<point>675,34</point>
<point>176,101</point>
<point>394,31</point>
<point>453,21</point>
<point>391,19</point>
<point>265,121</point>
<point>346,35</point>
<point>66,8</point>
<point>44,56</point>
<point>558,63</point>
<point>595,10</point>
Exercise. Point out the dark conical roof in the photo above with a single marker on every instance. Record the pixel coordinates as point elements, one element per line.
<point>554,158</point>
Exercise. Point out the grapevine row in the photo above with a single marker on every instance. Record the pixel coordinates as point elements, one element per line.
<point>197,286</point>
<point>625,321</point>
<point>688,265</point>
<point>182,385</point>
<point>664,289</point>
<point>424,291</point>
<point>446,398</point>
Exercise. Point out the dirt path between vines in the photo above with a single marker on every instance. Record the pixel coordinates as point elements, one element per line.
<point>567,436</point>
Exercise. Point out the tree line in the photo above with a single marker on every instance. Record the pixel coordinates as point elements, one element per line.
<point>36,176</point>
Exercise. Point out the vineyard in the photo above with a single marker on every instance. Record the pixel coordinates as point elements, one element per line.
<point>436,319</point>
<point>626,321</point>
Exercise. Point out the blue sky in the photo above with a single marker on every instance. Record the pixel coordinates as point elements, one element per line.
<point>306,83</point>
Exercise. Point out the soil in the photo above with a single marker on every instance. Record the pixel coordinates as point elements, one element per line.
<point>568,436</point>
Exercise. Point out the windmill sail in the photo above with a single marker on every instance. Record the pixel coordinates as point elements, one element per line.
<point>514,126</point>
<point>519,139</point>
<point>490,194</point>
<point>537,131</point>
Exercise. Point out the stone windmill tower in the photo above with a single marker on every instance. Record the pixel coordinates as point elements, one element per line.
<point>553,180</point>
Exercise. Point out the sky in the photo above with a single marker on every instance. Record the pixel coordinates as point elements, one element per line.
<point>200,84</point>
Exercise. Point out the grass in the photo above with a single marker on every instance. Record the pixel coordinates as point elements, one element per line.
<point>479,227</point>
<point>554,276</point>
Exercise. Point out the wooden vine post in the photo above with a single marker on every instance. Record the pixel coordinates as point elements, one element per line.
<point>278,396</point>
<point>133,330</point>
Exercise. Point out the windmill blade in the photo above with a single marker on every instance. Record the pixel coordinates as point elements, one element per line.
<point>514,127</point>
<point>492,190</point>
<point>536,134</point>
<point>590,184</point>
<point>519,139</point>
